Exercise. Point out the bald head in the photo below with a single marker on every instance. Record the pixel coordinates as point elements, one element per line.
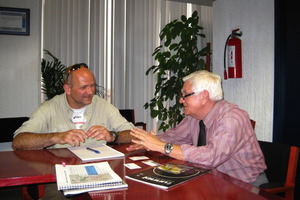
<point>79,86</point>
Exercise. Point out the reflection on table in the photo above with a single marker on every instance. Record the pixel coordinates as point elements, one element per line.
<point>21,168</point>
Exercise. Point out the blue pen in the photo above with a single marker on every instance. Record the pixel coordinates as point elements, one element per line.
<point>96,151</point>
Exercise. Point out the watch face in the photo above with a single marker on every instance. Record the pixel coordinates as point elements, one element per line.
<point>168,148</point>
<point>115,135</point>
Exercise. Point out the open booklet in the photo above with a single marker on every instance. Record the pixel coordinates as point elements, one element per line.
<point>99,152</point>
<point>75,179</point>
<point>167,175</point>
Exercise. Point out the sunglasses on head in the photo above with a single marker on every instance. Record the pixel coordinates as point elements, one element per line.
<point>76,67</point>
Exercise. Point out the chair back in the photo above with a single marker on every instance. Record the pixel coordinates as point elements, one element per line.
<point>277,159</point>
<point>129,115</point>
<point>253,123</point>
<point>281,161</point>
<point>9,126</point>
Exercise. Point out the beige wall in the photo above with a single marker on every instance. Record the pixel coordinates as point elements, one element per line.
<point>20,64</point>
<point>254,92</point>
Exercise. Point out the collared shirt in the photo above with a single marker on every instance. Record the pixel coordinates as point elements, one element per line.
<point>55,115</point>
<point>231,144</point>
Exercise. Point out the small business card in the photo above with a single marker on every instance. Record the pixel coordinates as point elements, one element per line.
<point>134,158</point>
<point>132,166</point>
<point>150,163</point>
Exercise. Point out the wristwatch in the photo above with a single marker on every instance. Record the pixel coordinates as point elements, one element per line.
<point>168,148</point>
<point>115,135</point>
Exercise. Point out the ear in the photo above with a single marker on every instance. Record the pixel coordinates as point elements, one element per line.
<point>204,96</point>
<point>67,88</point>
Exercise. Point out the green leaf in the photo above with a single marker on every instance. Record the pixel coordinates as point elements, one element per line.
<point>154,113</point>
<point>183,18</point>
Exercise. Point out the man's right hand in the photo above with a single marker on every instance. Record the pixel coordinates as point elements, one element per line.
<point>72,137</point>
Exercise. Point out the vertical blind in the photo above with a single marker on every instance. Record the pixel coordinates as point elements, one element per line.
<point>116,38</point>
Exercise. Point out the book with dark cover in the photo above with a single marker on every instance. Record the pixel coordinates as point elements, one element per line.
<point>167,175</point>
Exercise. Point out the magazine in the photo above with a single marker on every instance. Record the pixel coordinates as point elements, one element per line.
<point>75,179</point>
<point>99,152</point>
<point>167,175</point>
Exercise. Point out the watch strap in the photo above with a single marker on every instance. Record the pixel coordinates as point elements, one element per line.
<point>115,135</point>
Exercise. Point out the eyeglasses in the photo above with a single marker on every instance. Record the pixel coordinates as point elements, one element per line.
<point>187,95</point>
<point>76,67</point>
<point>190,94</point>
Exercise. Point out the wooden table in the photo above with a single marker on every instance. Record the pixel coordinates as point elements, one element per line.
<point>21,168</point>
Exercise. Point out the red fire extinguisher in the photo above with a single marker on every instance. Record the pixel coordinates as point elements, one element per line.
<point>234,55</point>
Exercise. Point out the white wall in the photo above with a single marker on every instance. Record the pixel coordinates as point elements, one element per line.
<point>253,92</point>
<point>20,60</point>
<point>20,65</point>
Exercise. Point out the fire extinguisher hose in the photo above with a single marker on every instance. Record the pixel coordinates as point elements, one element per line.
<point>225,71</point>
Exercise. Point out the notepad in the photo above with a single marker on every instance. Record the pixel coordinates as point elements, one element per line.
<point>106,152</point>
<point>75,179</point>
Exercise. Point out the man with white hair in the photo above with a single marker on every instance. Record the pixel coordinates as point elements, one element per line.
<point>229,143</point>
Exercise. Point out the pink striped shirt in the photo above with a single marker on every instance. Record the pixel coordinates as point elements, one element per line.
<point>231,144</point>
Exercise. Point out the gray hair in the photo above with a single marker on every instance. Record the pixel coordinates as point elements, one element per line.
<point>205,80</point>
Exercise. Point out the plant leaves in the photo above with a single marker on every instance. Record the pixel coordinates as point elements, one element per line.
<point>177,57</point>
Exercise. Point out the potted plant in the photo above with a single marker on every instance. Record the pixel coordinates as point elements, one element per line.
<point>52,76</point>
<point>177,57</point>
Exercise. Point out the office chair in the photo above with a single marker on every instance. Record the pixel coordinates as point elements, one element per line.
<point>253,123</point>
<point>129,115</point>
<point>9,126</point>
<point>281,161</point>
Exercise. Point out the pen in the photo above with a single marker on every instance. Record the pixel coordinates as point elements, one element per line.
<point>96,151</point>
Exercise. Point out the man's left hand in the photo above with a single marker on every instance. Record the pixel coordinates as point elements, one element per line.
<point>100,133</point>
